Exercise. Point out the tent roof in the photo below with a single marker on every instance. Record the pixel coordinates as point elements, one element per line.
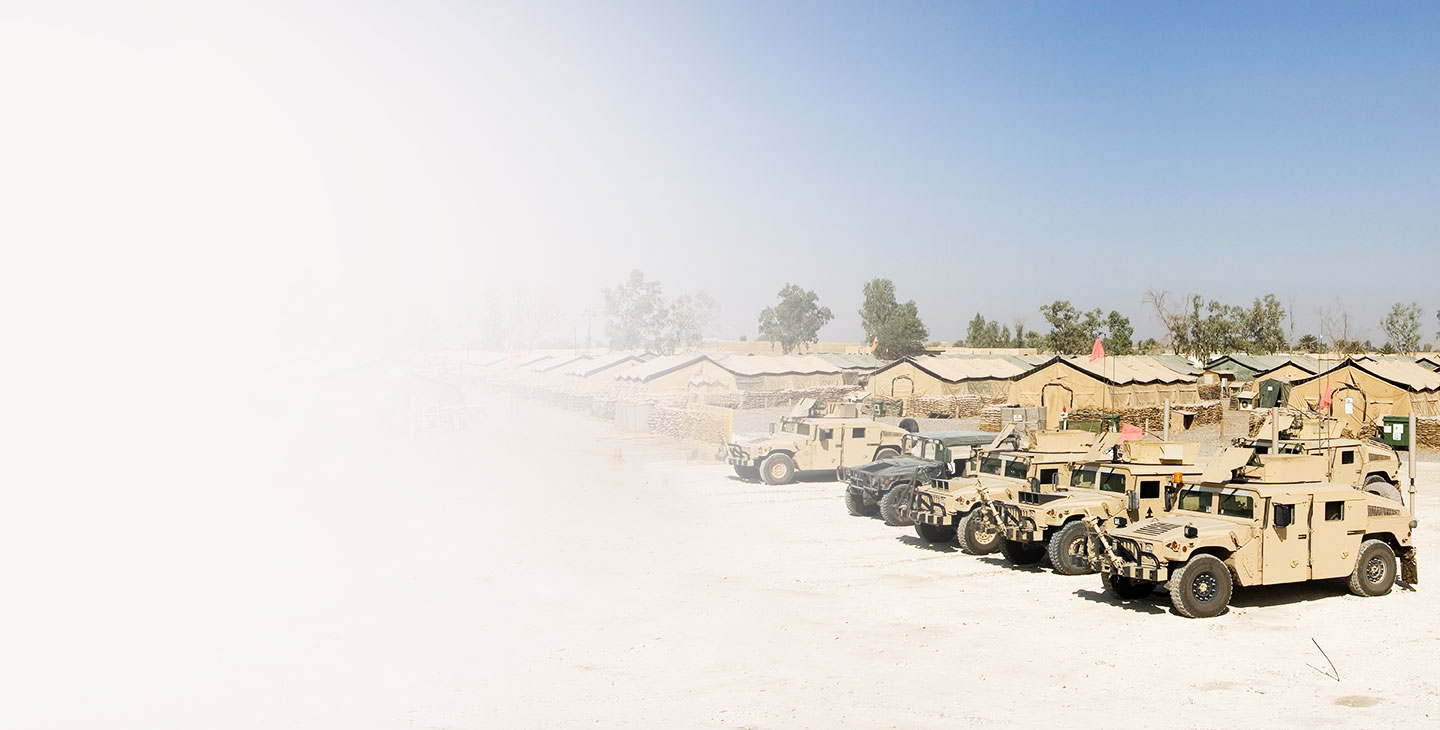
<point>586,368</point>
<point>1122,370</point>
<point>1262,363</point>
<point>953,369</point>
<point>559,361</point>
<point>1178,363</point>
<point>755,365</point>
<point>851,361</point>
<point>663,365</point>
<point>1408,376</point>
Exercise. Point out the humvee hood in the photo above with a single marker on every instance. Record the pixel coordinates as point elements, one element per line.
<point>895,467</point>
<point>1088,499</point>
<point>771,440</point>
<point>1171,528</point>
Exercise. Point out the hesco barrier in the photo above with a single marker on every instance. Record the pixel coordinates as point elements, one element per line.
<point>1150,418</point>
<point>946,406</point>
<point>1209,392</point>
<point>747,399</point>
<point>711,424</point>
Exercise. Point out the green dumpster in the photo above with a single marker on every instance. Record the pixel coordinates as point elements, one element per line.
<point>1395,432</point>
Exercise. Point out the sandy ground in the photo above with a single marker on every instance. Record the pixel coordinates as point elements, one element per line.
<point>542,571</point>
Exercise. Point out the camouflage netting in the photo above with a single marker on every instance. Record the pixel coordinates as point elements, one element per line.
<point>744,400</point>
<point>688,424</point>
<point>946,406</point>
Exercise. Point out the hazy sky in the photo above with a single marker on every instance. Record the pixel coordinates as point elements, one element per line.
<point>324,171</point>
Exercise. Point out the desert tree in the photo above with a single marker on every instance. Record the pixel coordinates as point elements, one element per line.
<point>795,320</point>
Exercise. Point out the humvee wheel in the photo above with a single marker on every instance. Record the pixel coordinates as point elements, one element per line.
<point>1374,572</point>
<point>886,452</point>
<point>934,534</point>
<point>1126,589</point>
<point>909,424</point>
<point>748,472</point>
<point>1382,487</point>
<point>1201,589</point>
<point>976,535</point>
<point>777,469</point>
<point>859,505</point>
<point>1022,553</point>
<point>1070,550</point>
<point>895,505</point>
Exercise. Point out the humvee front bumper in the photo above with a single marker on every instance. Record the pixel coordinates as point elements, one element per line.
<point>1016,525</point>
<point>1125,558</point>
<point>736,456</point>
<point>1016,534</point>
<point>926,508</point>
<point>1138,572</point>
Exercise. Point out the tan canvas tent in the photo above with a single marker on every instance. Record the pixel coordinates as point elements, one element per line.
<point>931,375</point>
<point>597,374</point>
<point>782,372</point>
<point>1363,391</point>
<point>674,374</point>
<point>1111,383</point>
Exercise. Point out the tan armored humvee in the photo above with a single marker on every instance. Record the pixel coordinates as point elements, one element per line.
<point>1247,524</point>
<point>1370,465</point>
<point>1132,484</point>
<point>813,438</point>
<point>940,509</point>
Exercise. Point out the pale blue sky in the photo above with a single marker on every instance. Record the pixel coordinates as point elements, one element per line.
<point>380,167</point>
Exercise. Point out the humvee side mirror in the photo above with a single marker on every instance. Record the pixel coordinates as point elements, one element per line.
<point>772,428</point>
<point>1034,484</point>
<point>1284,515</point>
<point>1169,498</point>
<point>1133,501</point>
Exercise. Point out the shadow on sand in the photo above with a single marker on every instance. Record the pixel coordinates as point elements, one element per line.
<point>1155,603</point>
<point>939,547</point>
<point>1041,567</point>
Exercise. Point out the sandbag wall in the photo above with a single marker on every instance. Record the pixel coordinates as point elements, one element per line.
<point>711,425</point>
<point>744,400</point>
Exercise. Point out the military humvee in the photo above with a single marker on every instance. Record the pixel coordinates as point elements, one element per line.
<point>1239,523</point>
<point>1048,522</point>
<point>940,509</point>
<point>815,438</point>
<point>1370,465</point>
<point>885,486</point>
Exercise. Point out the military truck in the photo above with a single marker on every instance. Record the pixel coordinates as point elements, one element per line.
<point>813,437</point>
<point>1371,465</point>
<point>1244,524</point>
<point>940,509</point>
<point>885,486</point>
<point>1051,523</point>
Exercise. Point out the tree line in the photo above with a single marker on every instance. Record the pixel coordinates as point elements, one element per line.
<point>638,316</point>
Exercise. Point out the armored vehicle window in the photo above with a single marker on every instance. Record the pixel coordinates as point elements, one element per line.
<point>930,450</point>
<point>1112,482</point>
<point>1347,457</point>
<point>1150,489</point>
<point>857,433</point>
<point>1237,505</point>
<point>1291,449</point>
<point>1016,469</point>
<point>803,429</point>
<point>1334,511</point>
<point>991,465</point>
<point>1049,476</point>
<point>1083,478</point>
<point>790,427</point>
<point>826,434</point>
<point>1195,500</point>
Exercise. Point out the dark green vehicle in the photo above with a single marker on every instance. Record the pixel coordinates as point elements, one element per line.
<point>885,486</point>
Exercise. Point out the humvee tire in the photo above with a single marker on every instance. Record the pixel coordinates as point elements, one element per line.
<point>778,469</point>
<point>975,537</point>
<point>748,472</point>
<point>896,503</point>
<point>1381,487</point>
<point>1070,550</point>
<point>909,424</point>
<point>934,534</point>
<point>1021,553</point>
<point>1126,589</point>
<point>1374,572</point>
<point>1202,588</point>
<point>858,505</point>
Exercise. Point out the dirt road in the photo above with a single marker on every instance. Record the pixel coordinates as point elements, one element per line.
<point>572,578</point>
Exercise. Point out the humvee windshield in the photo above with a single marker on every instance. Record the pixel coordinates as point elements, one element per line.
<point>788,426</point>
<point>795,427</point>
<point>1007,466</point>
<point>1109,481</point>
<point>1209,501</point>
<point>930,450</point>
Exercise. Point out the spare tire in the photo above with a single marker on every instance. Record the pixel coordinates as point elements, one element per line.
<point>909,424</point>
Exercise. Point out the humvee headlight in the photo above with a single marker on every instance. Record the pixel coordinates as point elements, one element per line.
<point>1119,521</point>
<point>1146,547</point>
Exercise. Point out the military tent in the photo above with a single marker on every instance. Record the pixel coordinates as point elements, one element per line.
<point>782,372</point>
<point>1107,384</point>
<point>1364,390</point>
<point>596,374</point>
<point>941,375</point>
<point>675,374</point>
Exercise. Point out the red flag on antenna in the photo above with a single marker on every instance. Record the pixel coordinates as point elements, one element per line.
<point>1324,396</point>
<point>1098,351</point>
<point>1130,432</point>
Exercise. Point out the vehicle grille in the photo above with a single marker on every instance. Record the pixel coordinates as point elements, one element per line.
<point>1038,498</point>
<point>1157,528</point>
<point>1383,511</point>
